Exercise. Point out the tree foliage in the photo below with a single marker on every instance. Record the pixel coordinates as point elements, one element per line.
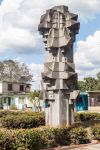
<point>90,83</point>
<point>11,70</point>
<point>34,94</point>
<point>81,85</point>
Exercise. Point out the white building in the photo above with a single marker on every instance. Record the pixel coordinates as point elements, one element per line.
<point>14,94</point>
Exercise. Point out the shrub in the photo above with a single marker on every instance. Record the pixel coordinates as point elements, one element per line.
<point>25,120</point>
<point>20,119</point>
<point>13,107</point>
<point>87,116</point>
<point>4,113</point>
<point>40,138</point>
<point>96,132</point>
<point>62,136</point>
<point>7,140</point>
<point>78,136</point>
<point>29,139</point>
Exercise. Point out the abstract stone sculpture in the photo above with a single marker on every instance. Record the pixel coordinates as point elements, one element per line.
<point>59,80</point>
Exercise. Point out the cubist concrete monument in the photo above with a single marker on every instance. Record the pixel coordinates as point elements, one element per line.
<point>59,27</point>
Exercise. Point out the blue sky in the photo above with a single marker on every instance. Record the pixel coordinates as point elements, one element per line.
<point>20,40</point>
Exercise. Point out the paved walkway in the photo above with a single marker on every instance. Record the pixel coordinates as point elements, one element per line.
<point>89,147</point>
<point>78,147</point>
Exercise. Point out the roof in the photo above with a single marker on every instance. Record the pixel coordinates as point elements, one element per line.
<point>83,93</point>
<point>98,91</point>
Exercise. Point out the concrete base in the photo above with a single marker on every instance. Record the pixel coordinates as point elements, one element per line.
<point>59,112</point>
<point>56,113</point>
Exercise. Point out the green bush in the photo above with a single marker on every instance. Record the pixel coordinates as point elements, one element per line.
<point>24,120</point>
<point>20,119</point>
<point>13,107</point>
<point>78,136</point>
<point>7,140</point>
<point>40,138</point>
<point>96,132</point>
<point>87,116</point>
<point>4,113</point>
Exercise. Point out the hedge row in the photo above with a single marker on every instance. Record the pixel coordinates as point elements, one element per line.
<point>78,116</point>
<point>35,139</point>
<point>24,120</point>
<point>96,132</point>
<point>4,113</point>
<point>87,116</point>
<point>10,119</point>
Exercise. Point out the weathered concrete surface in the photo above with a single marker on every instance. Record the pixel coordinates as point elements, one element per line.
<point>78,147</point>
<point>59,27</point>
<point>89,147</point>
<point>94,109</point>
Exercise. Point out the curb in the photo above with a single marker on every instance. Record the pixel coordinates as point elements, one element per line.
<point>71,147</point>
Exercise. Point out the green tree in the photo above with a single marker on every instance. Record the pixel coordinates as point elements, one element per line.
<point>90,83</point>
<point>81,86</point>
<point>98,76</point>
<point>98,81</point>
<point>34,94</point>
<point>11,70</point>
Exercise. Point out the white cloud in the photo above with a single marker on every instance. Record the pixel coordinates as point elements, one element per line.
<point>87,59</point>
<point>16,29</point>
<point>87,56</point>
<point>19,21</point>
<point>36,70</point>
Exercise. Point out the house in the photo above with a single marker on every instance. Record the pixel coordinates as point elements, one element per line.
<point>14,94</point>
<point>89,100</point>
<point>94,98</point>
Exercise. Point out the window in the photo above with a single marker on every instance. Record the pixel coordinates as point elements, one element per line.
<point>28,86</point>
<point>21,88</point>
<point>10,87</point>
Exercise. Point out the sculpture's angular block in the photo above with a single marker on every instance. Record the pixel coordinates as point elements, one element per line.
<point>59,79</point>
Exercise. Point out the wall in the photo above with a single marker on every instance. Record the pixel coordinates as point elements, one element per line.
<point>15,87</point>
<point>1,88</point>
<point>4,87</point>
<point>94,99</point>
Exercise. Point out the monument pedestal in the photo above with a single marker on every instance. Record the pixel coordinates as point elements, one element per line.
<point>56,113</point>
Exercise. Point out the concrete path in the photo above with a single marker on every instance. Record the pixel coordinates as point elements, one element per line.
<point>78,147</point>
<point>89,147</point>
